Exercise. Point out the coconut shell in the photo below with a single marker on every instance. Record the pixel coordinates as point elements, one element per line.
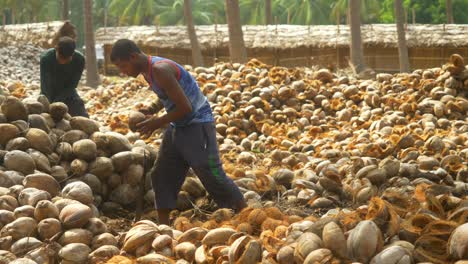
<point>5,180</point>
<point>39,140</point>
<point>393,254</point>
<point>24,245</point>
<point>75,252</point>
<point>334,239</point>
<point>124,194</point>
<point>245,249</point>
<point>458,243</point>
<point>85,149</point>
<point>364,241</point>
<point>75,215</point>
<point>117,143</point>
<point>154,258</point>
<point>217,236</point>
<point>306,243</point>
<point>19,161</point>
<point>14,109</point>
<point>23,261</point>
<point>8,132</point>
<point>48,228</point>
<point>122,160</point>
<point>139,235</point>
<point>84,124</point>
<point>43,182</point>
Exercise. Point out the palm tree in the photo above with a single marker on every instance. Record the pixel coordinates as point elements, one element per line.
<point>448,7</point>
<point>170,12</point>
<point>402,48</point>
<point>306,11</point>
<point>197,58</point>
<point>236,38</point>
<point>134,12</point>
<point>268,14</point>
<point>369,10</point>
<point>65,9</point>
<point>92,76</point>
<point>259,12</point>
<point>357,56</point>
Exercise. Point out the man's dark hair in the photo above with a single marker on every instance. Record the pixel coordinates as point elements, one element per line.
<point>66,46</point>
<point>122,50</point>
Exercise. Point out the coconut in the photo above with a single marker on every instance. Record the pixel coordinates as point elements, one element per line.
<point>79,191</point>
<point>14,109</point>
<point>58,110</point>
<point>134,118</point>
<point>117,143</point>
<point>104,239</point>
<point>19,161</point>
<point>84,124</point>
<point>24,211</point>
<point>78,167</point>
<point>85,149</point>
<point>8,132</point>
<point>6,217</point>
<point>96,226</point>
<point>41,160</point>
<point>75,253</point>
<point>65,151</point>
<point>39,140</point>
<point>49,227</point>
<point>102,167</point>
<point>73,136</point>
<point>31,196</point>
<point>8,202</point>
<point>75,215</point>
<point>45,209</point>
<point>39,122</point>
<point>5,180</point>
<point>76,235</point>
<point>21,227</point>
<point>24,245</point>
<point>19,143</point>
<point>44,101</point>
<point>104,252</point>
<point>124,194</point>
<point>42,182</point>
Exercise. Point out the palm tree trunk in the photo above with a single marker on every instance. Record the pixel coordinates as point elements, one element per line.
<point>357,55</point>
<point>236,38</point>
<point>448,7</point>
<point>268,14</point>
<point>402,48</point>
<point>65,9</point>
<point>92,76</point>
<point>197,58</point>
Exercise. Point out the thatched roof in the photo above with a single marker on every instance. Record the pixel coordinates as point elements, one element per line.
<point>38,34</point>
<point>288,36</point>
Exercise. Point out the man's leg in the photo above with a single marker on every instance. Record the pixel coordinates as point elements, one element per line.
<point>200,150</point>
<point>76,107</point>
<point>167,176</point>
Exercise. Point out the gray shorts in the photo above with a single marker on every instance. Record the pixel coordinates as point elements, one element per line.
<point>195,147</point>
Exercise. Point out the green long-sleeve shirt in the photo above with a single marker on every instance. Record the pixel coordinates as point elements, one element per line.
<point>59,81</point>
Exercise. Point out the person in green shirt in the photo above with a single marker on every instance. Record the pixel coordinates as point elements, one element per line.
<point>61,70</point>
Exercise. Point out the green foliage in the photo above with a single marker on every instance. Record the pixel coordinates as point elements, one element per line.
<point>205,12</point>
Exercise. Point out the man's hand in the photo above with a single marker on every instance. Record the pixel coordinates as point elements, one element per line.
<point>150,125</point>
